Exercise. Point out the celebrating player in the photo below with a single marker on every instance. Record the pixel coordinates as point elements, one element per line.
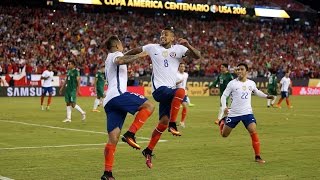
<point>240,90</point>
<point>118,102</point>
<point>166,58</point>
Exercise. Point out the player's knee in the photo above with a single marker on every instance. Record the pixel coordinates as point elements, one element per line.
<point>180,93</point>
<point>164,120</point>
<point>148,105</point>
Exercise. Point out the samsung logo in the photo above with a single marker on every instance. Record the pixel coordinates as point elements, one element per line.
<point>26,91</point>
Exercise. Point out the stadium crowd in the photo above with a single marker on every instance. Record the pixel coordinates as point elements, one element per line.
<point>33,38</point>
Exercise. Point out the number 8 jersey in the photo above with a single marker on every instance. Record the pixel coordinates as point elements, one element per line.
<point>165,64</point>
<point>240,93</point>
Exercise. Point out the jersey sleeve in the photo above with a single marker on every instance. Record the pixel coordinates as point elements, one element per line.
<point>226,93</point>
<point>215,82</point>
<point>231,76</point>
<point>257,92</point>
<point>147,48</point>
<point>282,80</point>
<point>182,51</point>
<point>117,54</point>
<point>44,74</point>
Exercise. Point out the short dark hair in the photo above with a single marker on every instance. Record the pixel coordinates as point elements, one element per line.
<point>225,65</point>
<point>111,40</point>
<point>243,64</point>
<point>171,29</point>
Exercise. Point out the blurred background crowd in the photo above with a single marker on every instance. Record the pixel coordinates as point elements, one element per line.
<point>33,38</point>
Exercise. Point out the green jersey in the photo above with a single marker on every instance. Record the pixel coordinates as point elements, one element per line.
<point>272,85</point>
<point>100,80</point>
<point>72,82</point>
<point>222,81</point>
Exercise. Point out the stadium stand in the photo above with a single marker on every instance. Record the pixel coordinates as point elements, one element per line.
<point>33,38</point>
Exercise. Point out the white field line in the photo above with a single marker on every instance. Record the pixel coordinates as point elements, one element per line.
<point>70,145</point>
<point>61,128</point>
<point>5,178</point>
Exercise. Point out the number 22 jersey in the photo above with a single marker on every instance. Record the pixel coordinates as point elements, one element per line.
<point>240,93</point>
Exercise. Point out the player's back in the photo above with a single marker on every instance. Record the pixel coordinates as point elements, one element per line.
<point>165,63</point>
<point>116,75</point>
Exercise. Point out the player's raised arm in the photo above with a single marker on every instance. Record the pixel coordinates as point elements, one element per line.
<point>134,51</point>
<point>192,52</point>
<point>126,59</point>
<point>261,94</point>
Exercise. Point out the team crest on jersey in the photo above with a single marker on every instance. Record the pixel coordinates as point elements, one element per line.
<point>165,54</point>
<point>173,54</point>
<point>250,88</point>
<point>244,88</point>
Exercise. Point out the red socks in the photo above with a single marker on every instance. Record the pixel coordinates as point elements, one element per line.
<point>139,120</point>
<point>109,156</point>
<point>280,100</point>
<point>255,143</point>
<point>175,104</point>
<point>156,135</point>
<point>221,126</point>
<point>287,101</point>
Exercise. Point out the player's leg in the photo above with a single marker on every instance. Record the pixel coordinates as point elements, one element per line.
<point>131,102</point>
<point>115,120</point>
<point>250,123</point>
<point>184,113</point>
<point>283,95</point>
<point>227,124</point>
<point>44,92</point>
<point>269,100</point>
<point>287,100</point>
<point>76,106</point>
<point>96,104</point>
<point>97,100</point>
<point>156,134</point>
<point>189,101</point>
<point>109,152</point>
<point>178,96</point>
<point>169,105</point>
<point>68,108</point>
<point>50,90</point>
<point>274,100</point>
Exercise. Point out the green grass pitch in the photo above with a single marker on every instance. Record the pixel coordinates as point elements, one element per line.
<point>36,145</point>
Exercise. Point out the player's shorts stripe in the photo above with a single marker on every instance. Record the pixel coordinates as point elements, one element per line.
<point>118,80</point>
